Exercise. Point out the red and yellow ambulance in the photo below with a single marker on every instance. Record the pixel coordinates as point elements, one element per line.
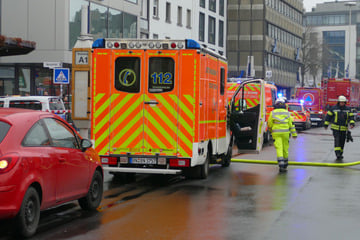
<point>300,114</point>
<point>159,106</point>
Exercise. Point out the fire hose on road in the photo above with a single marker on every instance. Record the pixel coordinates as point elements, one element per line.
<point>318,164</point>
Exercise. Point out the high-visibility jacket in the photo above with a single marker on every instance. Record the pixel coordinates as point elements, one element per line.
<point>280,122</point>
<point>340,118</point>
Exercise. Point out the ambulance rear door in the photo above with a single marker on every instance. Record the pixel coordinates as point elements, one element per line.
<point>247,122</point>
<point>161,85</point>
<point>144,104</point>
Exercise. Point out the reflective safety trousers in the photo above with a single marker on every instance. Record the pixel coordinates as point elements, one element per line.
<point>280,122</point>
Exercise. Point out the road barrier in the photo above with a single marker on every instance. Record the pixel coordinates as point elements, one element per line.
<point>318,164</point>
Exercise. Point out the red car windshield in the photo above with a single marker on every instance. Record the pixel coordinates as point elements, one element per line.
<point>4,128</point>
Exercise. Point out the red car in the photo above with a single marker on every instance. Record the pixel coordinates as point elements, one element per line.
<point>44,163</point>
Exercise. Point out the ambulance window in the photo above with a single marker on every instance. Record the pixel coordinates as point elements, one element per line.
<point>161,74</point>
<point>127,74</point>
<point>222,81</point>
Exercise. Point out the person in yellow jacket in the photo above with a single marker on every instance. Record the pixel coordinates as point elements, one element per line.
<point>281,126</point>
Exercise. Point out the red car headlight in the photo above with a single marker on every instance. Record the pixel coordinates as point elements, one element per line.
<point>7,162</point>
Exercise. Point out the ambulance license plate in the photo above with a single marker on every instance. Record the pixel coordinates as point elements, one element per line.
<point>142,160</point>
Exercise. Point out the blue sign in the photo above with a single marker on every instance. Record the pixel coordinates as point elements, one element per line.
<point>61,76</point>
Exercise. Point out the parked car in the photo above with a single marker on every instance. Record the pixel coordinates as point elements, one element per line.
<point>44,163</point>
<point>300,114</point>
<point>53,104</point>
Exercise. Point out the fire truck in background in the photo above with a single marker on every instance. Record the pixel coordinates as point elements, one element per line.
<point>251,98</point>
<point>160,106</point>
<point>312,98</point>
<point>334,87</point>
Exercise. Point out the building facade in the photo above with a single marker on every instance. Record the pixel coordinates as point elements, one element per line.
<point>271,31</point>
<point>336,26</point>
<point>55,26</point>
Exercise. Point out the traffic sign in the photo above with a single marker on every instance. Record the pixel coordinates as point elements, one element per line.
<point>61,76</point>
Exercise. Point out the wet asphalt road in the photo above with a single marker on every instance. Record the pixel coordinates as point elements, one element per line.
<point>244,201</point>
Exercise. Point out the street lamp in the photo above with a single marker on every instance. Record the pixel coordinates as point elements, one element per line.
<point>347,69</point>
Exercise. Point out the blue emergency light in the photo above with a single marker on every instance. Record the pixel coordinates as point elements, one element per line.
<point>99,43</point>
<point>192,44</point>
<point>302,101</point>
<point>279,95</point>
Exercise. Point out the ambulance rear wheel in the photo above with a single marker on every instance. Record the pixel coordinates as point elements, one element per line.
<point>204,168</point>
<point>227,157</point>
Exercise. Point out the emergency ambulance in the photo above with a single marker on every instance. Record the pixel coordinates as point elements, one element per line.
<point>300,114</point>
<point>159,106</point>
<point>252,97</point>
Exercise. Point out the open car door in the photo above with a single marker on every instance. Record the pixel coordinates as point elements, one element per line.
<point>247,123</point>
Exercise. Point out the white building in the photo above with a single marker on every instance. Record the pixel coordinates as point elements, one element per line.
<point>55,26</point>
<point>336,26</point>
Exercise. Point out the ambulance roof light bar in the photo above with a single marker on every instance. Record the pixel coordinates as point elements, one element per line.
<point>113,43</point>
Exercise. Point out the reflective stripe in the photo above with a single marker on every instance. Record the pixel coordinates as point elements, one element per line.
<point>281,130</point>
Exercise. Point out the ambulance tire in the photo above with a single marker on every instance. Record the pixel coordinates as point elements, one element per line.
<point>204,168</point>
<point>198,172</point>
<point>227,157</point>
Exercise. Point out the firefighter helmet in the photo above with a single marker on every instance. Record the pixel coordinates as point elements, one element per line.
<point>342,98</point>
<point>280,101</point>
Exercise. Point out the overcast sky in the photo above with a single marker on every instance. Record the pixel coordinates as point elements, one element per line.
<point>308,4</point>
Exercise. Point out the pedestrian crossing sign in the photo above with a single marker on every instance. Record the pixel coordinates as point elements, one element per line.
<point>61,76</point>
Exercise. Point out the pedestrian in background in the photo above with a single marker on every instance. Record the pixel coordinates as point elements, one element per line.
<point>340,117</point>
<point>281,126</point>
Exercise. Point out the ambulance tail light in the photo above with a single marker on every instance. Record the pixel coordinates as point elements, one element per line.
<point>179,162</point>
<point>99,43</point>
<point>192,44</point>
<point>108,160</point>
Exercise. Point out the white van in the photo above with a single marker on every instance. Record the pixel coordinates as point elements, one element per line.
<point>53,104</point>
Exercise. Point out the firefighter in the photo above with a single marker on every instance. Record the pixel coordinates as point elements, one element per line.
<point>281,126</point>
<point>340,116</point>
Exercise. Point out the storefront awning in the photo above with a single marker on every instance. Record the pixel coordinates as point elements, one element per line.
<point>15,46</point>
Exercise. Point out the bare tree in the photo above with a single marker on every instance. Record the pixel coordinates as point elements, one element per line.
<point>312,54</point>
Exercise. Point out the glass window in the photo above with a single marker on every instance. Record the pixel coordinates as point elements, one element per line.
<point>222,81</point>
<point>56,104</point>
<point>127,74</point>
<point>60,134</point>
<point>161,74</point>
<point>212,5</point>
<point>115,23</point>
<point>75,20</point>
<point>24,81</point>
<point>43,82</point>
<point>130,26</point>
<point>212,29</point>
<point>221,7</point>
<point>179,16</point>
<point>202,27</point>
<point>202,3</point>
<point>133,1</point>
<point>36,136</point>
<point>98,20</point>
<point>168,12</point>
<point>188,18</point>
<point>4,128</point>
<point>295,108</point>
<point>221,33</point>
<point>29,104</point>
<point>156,8</point>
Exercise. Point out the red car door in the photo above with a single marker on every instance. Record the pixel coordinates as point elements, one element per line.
<point>72,173</point>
